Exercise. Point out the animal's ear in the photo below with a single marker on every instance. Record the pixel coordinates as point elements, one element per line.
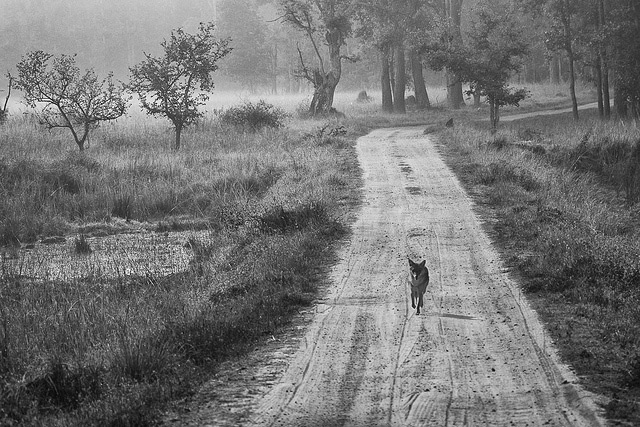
<point>410,262</point>
<point>422,264</point>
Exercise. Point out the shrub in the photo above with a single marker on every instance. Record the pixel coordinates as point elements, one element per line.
<point>280,220</point>
<point>254,117</point>
<point>504,172</point>
<point>82,245</point>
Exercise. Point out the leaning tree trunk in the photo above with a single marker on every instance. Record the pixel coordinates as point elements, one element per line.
<point>325,83</point>
<point>400,83</point>
<point>422,98</point>
<point>385,81</point>
<point>572,84</point>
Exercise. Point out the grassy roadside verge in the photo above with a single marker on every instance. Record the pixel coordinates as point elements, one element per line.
<point>113,350</point>
<point>559,199</point>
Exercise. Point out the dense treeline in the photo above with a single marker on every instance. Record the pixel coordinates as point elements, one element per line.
<point>397,44</point>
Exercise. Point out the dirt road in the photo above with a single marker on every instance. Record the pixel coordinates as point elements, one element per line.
<point>477,355</point>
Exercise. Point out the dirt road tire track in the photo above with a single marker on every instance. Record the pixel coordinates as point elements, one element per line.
<point>477,355</point>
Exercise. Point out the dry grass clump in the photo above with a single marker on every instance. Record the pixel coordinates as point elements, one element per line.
<point>565,215</point>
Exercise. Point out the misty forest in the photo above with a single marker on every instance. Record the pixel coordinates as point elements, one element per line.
<point>178,177</point>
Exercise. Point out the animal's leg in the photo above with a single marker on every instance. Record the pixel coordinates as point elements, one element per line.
<point>413,300</point>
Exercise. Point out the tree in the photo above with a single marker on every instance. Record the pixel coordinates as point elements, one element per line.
<point>393,28</point>
<point>328,20</point>
<point>625,59</point>
<point>167,85</point>
<point>71,100</point>
<point>453,13</point>
<point>493,53</point>
<point>3,110</point>
<point>562,34</point>
<point>250,64</point>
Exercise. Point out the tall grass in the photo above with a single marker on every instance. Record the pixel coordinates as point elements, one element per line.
<point>99,349</point>
<point>555,191</point>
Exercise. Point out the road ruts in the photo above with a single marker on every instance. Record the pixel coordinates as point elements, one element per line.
<point>476,356</point>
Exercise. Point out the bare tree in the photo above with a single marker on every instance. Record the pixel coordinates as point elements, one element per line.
<point>70,99</point>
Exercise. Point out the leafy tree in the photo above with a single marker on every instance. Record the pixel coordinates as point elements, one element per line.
<point>71,100</point>
<point>393,28</point>
<point>377,27</point>
<point>493,53</point>
<point>322,21</point>
<point>250,64</point>
<point>562,34</point>
<point>167,85</point>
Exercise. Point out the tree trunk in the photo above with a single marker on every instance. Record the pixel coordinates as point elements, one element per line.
<point>494,113</point>
<point>400,83</point>
<point>178,136</point>
<point>385,81</point>
<point>274,70</point>
<point>620,101</point>
<point>324,88</point>
<point>422,98</point>
<point>453,9</point>
<point>606,96</point>
<point>598,80</point>
<point>324,83</point>
<point>604,66</point>
<point>554,70</point>
<point>568,46</point>
<point>572,85</point>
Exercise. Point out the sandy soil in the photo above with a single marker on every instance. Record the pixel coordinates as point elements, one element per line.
<point>477,355</point>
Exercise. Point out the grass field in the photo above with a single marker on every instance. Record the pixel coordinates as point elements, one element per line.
<point>560,199</point>
<point>267,210</point>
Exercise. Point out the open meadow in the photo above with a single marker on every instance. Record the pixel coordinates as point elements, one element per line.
<point>173,261</point>
<point>128,271</point>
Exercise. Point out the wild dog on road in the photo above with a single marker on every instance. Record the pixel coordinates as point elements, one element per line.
<point>419,279</point>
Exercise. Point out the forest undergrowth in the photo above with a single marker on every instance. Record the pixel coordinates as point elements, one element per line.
<point>560,198</point>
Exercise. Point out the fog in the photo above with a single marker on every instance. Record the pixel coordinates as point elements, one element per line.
<point>108,35</point>
<point>113,35</point>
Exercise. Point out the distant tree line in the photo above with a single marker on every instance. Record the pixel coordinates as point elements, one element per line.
<point>394,45</point>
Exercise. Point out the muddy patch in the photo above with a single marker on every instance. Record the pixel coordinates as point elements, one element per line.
<point>414,191</point>
<point>143,253</point>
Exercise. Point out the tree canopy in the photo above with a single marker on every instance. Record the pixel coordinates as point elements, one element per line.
<point>167,85</point>
<point>69,98</point>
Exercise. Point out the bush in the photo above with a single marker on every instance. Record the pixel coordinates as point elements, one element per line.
<point>254,117</point>
<point>82,245</point>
